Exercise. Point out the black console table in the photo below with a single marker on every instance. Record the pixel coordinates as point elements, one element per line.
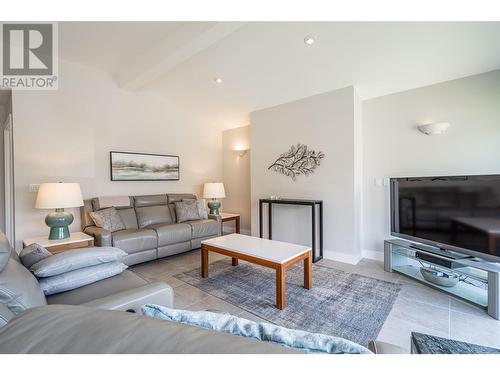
<point>296,202</point>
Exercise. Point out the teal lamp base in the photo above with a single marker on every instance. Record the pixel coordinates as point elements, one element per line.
<point>58,223</point>
<point>214,206</point>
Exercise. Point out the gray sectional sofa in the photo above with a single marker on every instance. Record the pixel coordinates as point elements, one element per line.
<point>152,230</point>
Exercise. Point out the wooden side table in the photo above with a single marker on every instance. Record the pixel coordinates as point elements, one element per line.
<point>76,240</point>
<point>228,217</point>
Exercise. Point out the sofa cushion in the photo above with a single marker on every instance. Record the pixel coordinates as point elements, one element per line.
<point>32,254</point>
<point>104,202</point>
<point>80,277</point>
<point>151,215</point>
<point>172,233</point>
<point>204,228</point>
<point>78,329</point>
<point>128,217</point>
<point>116,284</point>
<point>135,240</point>
<point>150,200</point>
<point>19,289</point>
<point>186,210</point>
<point>75,259</point>
<point>108,218</point>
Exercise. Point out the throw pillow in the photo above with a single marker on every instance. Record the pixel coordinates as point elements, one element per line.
<point>78,278</point>
<point>75,259</point>
<point>108,219</point>
<point>19,289</point>
<point>202,207</point>
<point>186,211</point>
<point>32,254</point>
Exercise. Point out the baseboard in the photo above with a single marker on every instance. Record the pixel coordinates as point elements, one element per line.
<point>372,254</point>
<point>341,257</point>
<point>354,259</point>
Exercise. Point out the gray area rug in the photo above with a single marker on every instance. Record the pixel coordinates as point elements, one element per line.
<point>340,304</point>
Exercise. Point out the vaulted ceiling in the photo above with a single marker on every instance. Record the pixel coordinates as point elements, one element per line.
<point>262,64</point>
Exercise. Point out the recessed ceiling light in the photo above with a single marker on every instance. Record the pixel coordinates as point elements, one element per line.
<point>309,40</point>
<point>218,80</point>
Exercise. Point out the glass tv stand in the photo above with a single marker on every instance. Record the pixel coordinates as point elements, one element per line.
<point>479,281</point>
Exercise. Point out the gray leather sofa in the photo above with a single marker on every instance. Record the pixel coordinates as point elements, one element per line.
<point>125,291</point>
<point>152,230</point>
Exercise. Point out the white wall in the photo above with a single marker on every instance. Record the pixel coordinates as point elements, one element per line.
<point>236,171</point>
<point>328,123</point>
<point>66,135</point>
<point>392,146</point>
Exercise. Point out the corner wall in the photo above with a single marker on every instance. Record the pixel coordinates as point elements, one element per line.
<point>236,172</point>
<point>328,122</point>
<point>66,135</point>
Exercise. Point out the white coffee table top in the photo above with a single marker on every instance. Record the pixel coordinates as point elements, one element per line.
<point>270,250</point>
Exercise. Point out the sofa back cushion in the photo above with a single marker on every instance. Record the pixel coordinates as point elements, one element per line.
<point>172,198</point>
<point>128,217</point>
<point>19,289</point>
<point>152,209</point>
<point>150,200</point>
<point>151,215</point>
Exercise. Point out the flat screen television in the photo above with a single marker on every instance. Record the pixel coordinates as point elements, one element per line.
<point>457,213</point>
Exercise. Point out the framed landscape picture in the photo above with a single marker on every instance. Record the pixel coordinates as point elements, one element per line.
<point>132,166</point>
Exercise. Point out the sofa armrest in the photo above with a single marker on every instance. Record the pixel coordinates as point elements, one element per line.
<point>102,237</point>
<point>379,347</point>
<point>157,293</point>
<point>219,222</point>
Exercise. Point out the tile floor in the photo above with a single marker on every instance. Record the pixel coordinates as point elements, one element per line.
<point>417,308</point>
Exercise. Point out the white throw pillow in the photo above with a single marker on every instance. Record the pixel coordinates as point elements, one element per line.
<point>75,259</point>
<point>80,277</point>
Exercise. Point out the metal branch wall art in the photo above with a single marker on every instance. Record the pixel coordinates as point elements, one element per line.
<point>296,161</point>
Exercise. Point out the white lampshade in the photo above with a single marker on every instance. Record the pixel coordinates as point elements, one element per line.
<point>214,190</point>
<point>59,195</point>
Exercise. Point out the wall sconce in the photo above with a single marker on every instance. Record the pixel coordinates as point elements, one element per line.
<point>434,128</point>
<point>240,151</point>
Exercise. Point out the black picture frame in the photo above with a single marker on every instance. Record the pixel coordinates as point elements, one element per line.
<point>113,172</point>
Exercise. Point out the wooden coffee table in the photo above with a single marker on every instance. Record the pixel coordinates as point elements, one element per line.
<point>268,253</point>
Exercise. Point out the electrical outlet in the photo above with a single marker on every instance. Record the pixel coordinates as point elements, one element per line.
<point>33,188</point>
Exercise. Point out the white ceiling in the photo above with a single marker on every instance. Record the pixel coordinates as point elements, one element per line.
<point>266,63</point>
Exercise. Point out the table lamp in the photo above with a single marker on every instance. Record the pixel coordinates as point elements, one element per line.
<point>214,190</point>
<point>59,196</point>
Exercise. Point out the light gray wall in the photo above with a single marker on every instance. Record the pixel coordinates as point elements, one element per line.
<point>392,146</point>
<point>328,123</point>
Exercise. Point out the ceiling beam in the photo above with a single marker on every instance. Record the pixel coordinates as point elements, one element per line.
<point>178,47</point>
